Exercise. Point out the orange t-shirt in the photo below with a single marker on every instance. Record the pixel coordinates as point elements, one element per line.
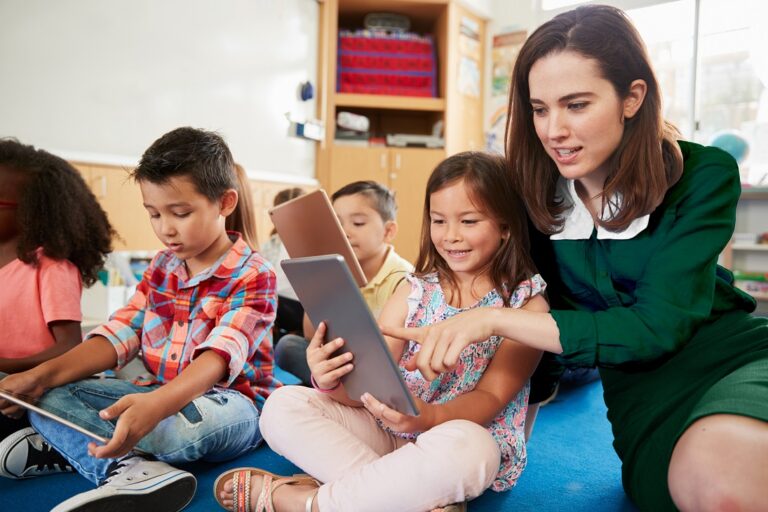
<point>31,297</point>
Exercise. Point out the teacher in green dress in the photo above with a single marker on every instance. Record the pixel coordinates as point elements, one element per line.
<point>629,223</point>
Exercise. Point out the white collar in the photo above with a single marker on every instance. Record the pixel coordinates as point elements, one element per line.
<point>578,223</point>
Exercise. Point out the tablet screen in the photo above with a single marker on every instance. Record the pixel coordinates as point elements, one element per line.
<point>29,405</point>
<point>329,294</point>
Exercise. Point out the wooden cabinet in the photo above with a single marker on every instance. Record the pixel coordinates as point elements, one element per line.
<point>459,40</point>
<point>404,171</point>
<point>120,197</point>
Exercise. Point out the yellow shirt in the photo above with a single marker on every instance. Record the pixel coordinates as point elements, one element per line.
<point>382,286</point>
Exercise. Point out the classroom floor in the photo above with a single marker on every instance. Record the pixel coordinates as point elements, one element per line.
<point>571,468</point>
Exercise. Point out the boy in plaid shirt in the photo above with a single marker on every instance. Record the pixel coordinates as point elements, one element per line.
<point>201,320</point>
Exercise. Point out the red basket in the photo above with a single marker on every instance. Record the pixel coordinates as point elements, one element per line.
<point>373,63</point>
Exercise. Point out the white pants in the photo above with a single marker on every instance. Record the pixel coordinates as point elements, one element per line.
<point>365,468</point>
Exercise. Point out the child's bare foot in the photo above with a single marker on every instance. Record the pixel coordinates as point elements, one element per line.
<point>289,494</point>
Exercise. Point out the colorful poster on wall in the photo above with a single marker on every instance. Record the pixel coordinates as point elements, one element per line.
<point>469,65</point>
<point>505,49</point>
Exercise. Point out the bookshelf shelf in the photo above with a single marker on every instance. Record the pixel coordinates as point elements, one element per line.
<point>380,101</point>
<point>750,247</point>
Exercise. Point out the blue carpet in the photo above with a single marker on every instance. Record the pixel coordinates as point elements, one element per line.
<point>571,467</point>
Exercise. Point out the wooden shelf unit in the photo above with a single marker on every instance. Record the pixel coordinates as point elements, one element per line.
<point>749,247</point>
<point>751,217</point>
<point>754,193</point>
<point>121,199</point>
<point>380,101</point>
<point>404,170</point>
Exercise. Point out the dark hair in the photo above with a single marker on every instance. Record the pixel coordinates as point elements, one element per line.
<point>243,219</point>
<point>647,161</point>
<point>57,211</point>
<point>284,196</point>
<point>492,192</point>
<point>382,199</point>
<point>200,155</point>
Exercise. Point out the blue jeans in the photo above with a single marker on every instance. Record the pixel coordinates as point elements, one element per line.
<point>291,356</point>
<point>220,425</point>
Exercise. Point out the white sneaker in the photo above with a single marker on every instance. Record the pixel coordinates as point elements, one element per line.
<point>136,484</point>
<point>25,454</point>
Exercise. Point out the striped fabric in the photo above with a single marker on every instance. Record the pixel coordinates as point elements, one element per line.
<point>229,308</point>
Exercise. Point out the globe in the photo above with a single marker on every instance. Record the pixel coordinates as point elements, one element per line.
<point>732,142</point>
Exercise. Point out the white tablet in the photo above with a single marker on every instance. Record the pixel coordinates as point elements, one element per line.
<point>329,294</point>
<point>27,404</point>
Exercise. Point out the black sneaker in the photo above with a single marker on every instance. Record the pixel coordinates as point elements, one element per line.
<point>25,454</point>
<point>135,483</point>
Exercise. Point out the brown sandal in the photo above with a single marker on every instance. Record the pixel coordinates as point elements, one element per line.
<point>453,507</point>
<point>241,488</point>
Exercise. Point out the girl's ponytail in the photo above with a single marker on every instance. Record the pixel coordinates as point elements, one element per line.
<point>242,219</point>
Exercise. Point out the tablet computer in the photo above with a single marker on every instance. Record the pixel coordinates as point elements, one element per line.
<point>329,294</point>
<point>308,226</point>
<point>29,405</point>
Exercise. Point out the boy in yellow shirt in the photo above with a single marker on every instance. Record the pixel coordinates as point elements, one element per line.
<point>367,211</point>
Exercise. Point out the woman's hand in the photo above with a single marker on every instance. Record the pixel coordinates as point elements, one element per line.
<point>29,385</point>
<point>442,343</point>
<point>138,413</point>
<point>327,370</point>
<point>397,421</point>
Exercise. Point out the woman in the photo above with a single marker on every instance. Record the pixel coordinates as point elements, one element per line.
<point>631,222</point>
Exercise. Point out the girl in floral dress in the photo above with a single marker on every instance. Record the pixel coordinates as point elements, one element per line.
<point>469,434</point>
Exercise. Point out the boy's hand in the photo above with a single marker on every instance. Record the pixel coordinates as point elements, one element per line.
<point>397,421</point>
<point>28,384</point>
<point>138,414</point>
<point>327,370</point>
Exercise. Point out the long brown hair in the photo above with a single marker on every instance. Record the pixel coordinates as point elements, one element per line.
<point>647,161</point>
<point>492,192</point>
<point>242,219</point>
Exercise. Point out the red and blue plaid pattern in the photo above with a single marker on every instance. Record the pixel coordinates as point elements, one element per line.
<point>229,308</point>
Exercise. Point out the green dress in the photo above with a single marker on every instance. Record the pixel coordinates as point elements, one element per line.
<point>674,339</point>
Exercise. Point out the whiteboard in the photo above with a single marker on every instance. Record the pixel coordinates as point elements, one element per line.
<point>108,77</point>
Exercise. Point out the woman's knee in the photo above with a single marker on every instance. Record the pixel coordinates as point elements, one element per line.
<point>715,464</point>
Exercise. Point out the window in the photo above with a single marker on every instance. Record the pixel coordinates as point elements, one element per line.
<point>728,100</point>
<point>731,94</point>
<point>667,30</point>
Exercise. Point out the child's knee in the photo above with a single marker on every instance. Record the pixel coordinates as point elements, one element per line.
<point>472,447</point>
<point>284,405</point>
<point>62,398</point>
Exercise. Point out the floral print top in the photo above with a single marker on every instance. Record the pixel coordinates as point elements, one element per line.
<point>427,305</point>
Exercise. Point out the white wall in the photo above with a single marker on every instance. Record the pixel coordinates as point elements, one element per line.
<point>481,7</point>
<point>512,15</point>
<point>110,76</point>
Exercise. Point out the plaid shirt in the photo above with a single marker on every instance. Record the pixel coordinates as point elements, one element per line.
<point>172,318</point>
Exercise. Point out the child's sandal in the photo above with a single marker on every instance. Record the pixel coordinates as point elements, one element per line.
<point>241,488</point>
<point>453,507</point>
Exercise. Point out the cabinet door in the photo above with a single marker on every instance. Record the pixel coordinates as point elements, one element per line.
<point>409,170</point>
<point>350,164</point>
<point>121,199</point>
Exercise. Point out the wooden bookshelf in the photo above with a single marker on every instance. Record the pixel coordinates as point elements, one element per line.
<point>376,101</point>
